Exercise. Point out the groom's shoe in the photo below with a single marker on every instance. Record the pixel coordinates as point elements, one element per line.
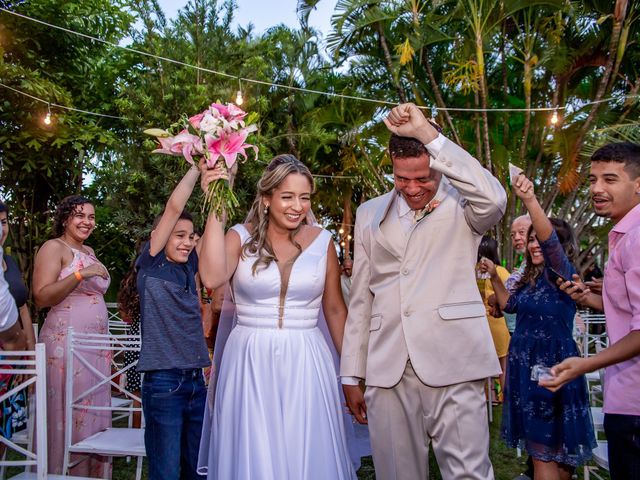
<point>522,476</point>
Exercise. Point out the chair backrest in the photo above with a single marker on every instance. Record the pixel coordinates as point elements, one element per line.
<point>113,312</point>
<point>27,368</point>
<point>116,325</point>
<point>595,335</point>
<point>81,347</point>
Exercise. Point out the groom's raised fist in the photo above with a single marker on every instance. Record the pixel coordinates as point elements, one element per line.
<point>407,120</point>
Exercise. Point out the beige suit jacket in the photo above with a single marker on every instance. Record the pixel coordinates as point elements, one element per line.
<point>414,296</point>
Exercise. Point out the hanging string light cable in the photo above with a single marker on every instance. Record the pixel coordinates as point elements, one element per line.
<point>56,105</point>
<point>302,89</point>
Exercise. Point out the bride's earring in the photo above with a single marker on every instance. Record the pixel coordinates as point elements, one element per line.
<point>266,209</point>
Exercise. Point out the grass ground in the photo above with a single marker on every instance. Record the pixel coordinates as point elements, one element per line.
<point>506,464</point>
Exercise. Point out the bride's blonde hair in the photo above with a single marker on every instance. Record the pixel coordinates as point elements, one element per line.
<point>278,169</point>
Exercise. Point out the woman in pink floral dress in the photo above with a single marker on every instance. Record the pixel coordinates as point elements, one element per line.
<point>69,278</point>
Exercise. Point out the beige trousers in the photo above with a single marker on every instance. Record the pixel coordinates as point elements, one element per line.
<point>403,420</point>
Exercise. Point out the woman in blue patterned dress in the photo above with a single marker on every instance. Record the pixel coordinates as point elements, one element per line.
<point>555,428</point>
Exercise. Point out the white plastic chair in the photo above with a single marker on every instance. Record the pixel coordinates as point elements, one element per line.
<point>24,437</point>
<point>489,394</point>
<point>591,340</point>
<point>597,415</point>
<point>116,325</point>
<point>601,459</point>
<point>114,441</point>
<point>593,343</point>
<point>31,365</point>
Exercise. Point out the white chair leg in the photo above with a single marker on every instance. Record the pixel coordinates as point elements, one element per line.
<point>106,467</point>
<point>489,399</point>
<point>4,457</point>
<point>130,425</point>
<point>139,469</point>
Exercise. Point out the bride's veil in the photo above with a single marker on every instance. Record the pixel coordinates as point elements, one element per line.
<point>357,435</point>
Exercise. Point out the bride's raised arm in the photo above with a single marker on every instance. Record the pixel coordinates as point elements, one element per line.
<point>219,254</point>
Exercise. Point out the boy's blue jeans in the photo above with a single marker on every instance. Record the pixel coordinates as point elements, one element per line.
<point>173,402</point>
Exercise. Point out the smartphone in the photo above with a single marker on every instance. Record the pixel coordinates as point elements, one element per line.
<point>554,276</point>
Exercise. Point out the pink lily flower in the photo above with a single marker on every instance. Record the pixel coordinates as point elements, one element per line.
<point>228,147</point>
<point>184,144</point>
<point>195,120</point>
<point>221,109</point>
<point>235,112</point>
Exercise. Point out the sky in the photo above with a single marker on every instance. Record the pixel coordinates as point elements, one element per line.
<point>268,13</point>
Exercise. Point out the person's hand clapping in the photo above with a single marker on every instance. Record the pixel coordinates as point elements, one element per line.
<point>407,120</point>
<point>523,188</point>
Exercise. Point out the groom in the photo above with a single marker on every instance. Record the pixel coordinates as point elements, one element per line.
<point>417,331</point>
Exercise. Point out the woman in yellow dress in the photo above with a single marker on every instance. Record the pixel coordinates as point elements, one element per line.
<point>489,249</point>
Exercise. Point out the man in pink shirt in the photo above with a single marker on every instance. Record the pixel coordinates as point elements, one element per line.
<point>615,191</point>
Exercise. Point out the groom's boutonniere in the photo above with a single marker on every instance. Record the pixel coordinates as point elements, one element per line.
<point>428,208</point>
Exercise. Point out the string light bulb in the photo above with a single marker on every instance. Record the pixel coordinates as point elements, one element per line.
<point>343,244</point>
<point>554,118</point>
<point>341,231</point>
<point>239,99</point>
<point>47,117</point>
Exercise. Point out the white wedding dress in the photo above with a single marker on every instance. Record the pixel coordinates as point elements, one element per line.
<point>277,413</point>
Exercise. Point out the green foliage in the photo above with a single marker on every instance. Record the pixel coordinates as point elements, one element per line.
<point>508,54</point>
<point>43,164</point>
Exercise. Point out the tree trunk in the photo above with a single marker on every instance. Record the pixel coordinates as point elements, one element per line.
<point>347,223</point>
<point>483,101</point>
<point>477,128</point>
<point>527,102</point>
<point>389,61</point>
<point>620,14</point>
<point>438,94</point>
<point>505,84</point>
<point>568,178</point>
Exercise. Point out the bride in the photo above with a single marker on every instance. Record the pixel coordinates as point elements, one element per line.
<point>275,412</point>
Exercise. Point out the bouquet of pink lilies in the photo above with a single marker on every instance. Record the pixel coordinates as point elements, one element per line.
<point>219,134</point>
